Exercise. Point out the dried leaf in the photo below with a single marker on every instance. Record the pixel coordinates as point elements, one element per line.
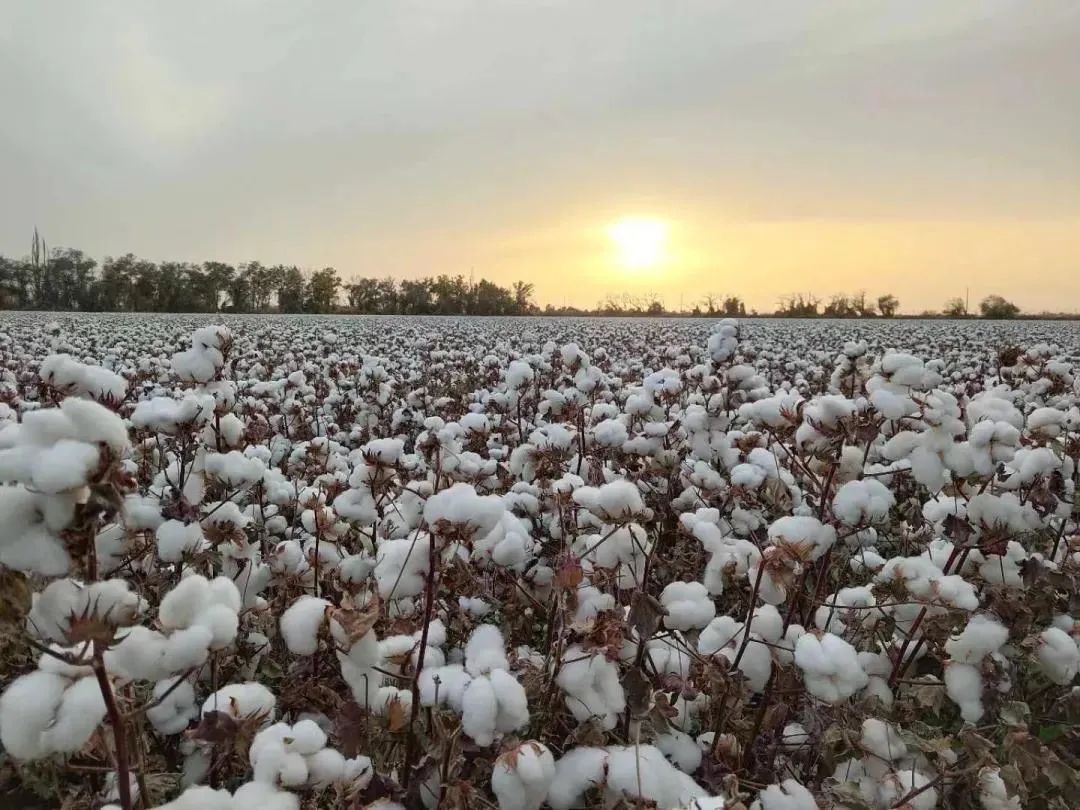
<point>645,614</point>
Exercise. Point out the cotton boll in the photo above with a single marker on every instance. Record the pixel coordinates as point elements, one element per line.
<point>863,502</point>
<point>479,710</point>
<point>200,798</point>
<point>173,711</point>
<point>993,794</point>
<point>981,636</point>
<point>242,700</point>
<point>964,686</point>
<point>520,778</point>
<point>787,795</point>
<point>444,685</point>
<point>301,622</point>
<point>175,539</point>
<point>485,650</point>
<point>681,749</point>
<point>81,710</point>
<point>882,740</point>
<point>27,710</point>
<point>577,771</point>
<point>830,667</point>
<point>688,605</point>
<point>262,796</point>
<point>1059,656</point>
<point>512,701</point>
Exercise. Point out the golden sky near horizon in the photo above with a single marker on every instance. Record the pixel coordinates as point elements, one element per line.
<point>921,148</point>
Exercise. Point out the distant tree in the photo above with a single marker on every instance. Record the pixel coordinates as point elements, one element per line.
<point>955,308</point>
<point>523,293</point>
<point>710,303</point>
<point>994,306</point>
<point>839,306</point>
<point>888,305</point>
<point>862,307</point>
<point>734,307</point>
<point>322,291</point>
<point>798,305</point>
<point>291,289</point>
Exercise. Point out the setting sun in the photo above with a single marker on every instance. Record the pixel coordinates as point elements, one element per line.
<point>640,242</point>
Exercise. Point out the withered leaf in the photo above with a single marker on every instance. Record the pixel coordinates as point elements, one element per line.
<point>645,614</point>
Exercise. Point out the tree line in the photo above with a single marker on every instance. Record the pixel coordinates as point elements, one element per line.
<point>68,279</point>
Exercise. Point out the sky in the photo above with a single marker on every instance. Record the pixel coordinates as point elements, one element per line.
<point>924,148</point>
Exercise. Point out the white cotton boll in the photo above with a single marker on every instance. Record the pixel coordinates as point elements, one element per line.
<point>520,777</point>
<point>301,622</point>
<point>882,740</point>
<point>1059,656</point>
<point>681,749</point>
<point>899,784</point>
<point>512,700</point>
<point>688,605</point>
<point>862,503</point>
<point>981,636</point>
<point>175,539</point>
<point>830,667</point>
<point>81,710</point>
<point>993,794</point>
<point>617,500</point>
<point>200,798</point>
<point>444,685</point>
<point>242,700</point>
<point>479,709</point>
<point>262,796</point>
<point>460,505</point>
<point>96,424</point>
<point>642,771</point>
<point>306,737</point>
<point>234,469</point>
<point>401,566</point>
<point>964,686</point>
<point>485,650</point>
<point>67,465</point>
<point>27,710</point>
<point>592,686</point>
<point>577,771</point>
<point>787,795</point>
<point>173,711</point>
<point>325,767</point>
<point>807,534</point>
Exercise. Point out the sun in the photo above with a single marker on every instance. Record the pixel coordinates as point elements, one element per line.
<point>640,241</point>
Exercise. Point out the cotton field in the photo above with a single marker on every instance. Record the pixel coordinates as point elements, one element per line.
<point>271,563</point>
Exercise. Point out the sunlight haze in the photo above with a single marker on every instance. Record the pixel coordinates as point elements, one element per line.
<point>919,148</point>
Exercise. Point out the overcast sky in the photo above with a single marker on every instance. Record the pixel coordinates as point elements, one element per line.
<point>913,147</point>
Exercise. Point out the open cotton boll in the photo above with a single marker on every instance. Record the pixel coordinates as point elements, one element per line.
<point>897,785</point>
<point>479,710</point>
<point>993,794</point>
<point>964,686</point>
<point>460,506</point>
<point>625,772</point>
<point>27,710</point>
<point>882,740</point>
<point>688,605</point>
<point>401,567</point>
<point>301,622</point>
<point>681,749</point>
<point>592,686</point>
<point>234,469</point>
<point>201,798</point>
<point>64,372</point>
<point>444,686</point>
<point>65,466</point>
<point>173,706</point>
<point>981,636</point>
<point>614,501</point>
<point>520,777</point>
<point>1059,656</point>
<point>830,667</point>
<point>242,700</point>
<point>805,535</point>
<point>787,795</point>
<point>263,796</point>
<point>175,539</point>
<point>95,424</point>
<point>485,650</point>
<point>862,503</point>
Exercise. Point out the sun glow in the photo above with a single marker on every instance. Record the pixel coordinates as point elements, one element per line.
<point>640,242</point>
